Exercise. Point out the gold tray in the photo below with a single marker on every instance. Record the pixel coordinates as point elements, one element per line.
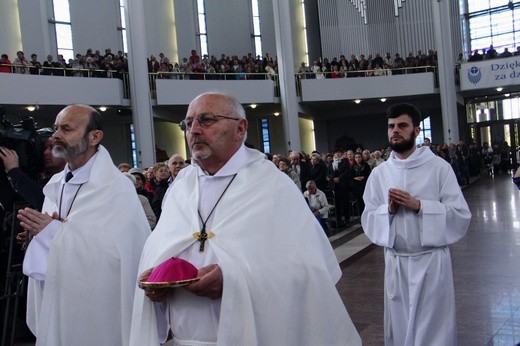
<point>172,284</point>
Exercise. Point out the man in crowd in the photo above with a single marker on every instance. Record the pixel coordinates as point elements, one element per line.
<point>263,280</point>
<point>82,260</point>
<point>338,172</point>
<point>301,167</point>
<point>175,164</point>
<point>415,209</point>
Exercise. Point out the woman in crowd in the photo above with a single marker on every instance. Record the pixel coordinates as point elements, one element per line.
<point>140,180</point>
<point>318,203</point>
<point>161,175</point>
<point>359,173</point>
<point>150,216</point>
<point>285,166</point>
<point>150,180</point>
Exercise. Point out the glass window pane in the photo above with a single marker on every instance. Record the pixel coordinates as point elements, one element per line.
<point>61,10</point>
<point>258,46</point>
<point>125,43</point>
<point>254,5</point>
<point>67,54</point>
<point>123,19</point>
<point>426,123</point>
<point>256,25</point>
<point>477,5</point>
<point>200,6</point>
<point>203,45</point>
<point>64,36</point>
<point>202,23</point>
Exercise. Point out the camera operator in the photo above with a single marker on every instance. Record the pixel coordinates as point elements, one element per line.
<point>16,184</point>
<point>29,189</point>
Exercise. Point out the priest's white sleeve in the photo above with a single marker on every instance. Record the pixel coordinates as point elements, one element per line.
<point>37,253</point>
<point>446,221</point>
<point>376,220</point>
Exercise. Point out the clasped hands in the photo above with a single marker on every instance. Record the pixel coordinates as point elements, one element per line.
<point>33,221</point>
<point>209,285</point>
<point>398,198</point>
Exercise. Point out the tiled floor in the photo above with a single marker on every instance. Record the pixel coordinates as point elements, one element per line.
<point>486,265</point>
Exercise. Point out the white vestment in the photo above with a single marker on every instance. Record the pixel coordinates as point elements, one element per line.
<point>419,294</point>
<point>279,269</point>
<point>92,262</point>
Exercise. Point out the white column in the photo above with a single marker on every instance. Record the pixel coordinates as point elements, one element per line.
<point>284,52</point>
<point>139,88</point>
<point>444,44</point>
<point>11,39</point>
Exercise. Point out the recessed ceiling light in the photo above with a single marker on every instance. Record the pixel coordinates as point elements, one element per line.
<point>357,101</point>
<point>276,114</point>
<point>102,109</point>
<point>507,95</point>
<point>31,108</point>
<point>383,99</point>
<point>253,106</point>
<point>500,89</point>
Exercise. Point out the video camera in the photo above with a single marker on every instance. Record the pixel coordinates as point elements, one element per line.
<point>26,140</point>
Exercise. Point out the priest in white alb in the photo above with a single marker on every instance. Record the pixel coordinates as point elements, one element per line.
<point>415,209</point>
<point>83,257</point>
<point>266,271</point>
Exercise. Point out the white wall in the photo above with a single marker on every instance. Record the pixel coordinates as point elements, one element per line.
<point>265,8</point>
<point>181,92</point>
<point>54,90</point>
<point>169,136</point>
<point>160,28</point>
<point>307,135</point>
<point>229,27</point>
<point>10,28</point>
<point>186,27</point>
<point>94,25</point>
<point>35,28</point>
<point>367,87</point>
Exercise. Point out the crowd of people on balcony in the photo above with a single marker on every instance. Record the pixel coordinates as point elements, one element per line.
<point>369,66</point>
<point>491,53</point>
<point>96,64</point>
<point>213,68</point>
<point>90,64</point>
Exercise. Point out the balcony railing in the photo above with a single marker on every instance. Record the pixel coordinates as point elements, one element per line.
<point>152,77</point>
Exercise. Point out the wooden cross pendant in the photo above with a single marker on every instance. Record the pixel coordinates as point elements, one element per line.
<point>202,236</point>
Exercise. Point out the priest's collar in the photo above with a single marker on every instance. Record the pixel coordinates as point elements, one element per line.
<point>82,174</point>
<point>231,167</point>
<point>417,158</point>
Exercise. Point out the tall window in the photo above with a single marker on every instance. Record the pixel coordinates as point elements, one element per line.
<point>305,34</point>
<point>203,35</point>
<point>122,28</point>
<point>133,145</point>
<point>266,139</point>
<point>63,28</point>
<point>493,22</point>
<point>426,131</point>
<point>256,28</point>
